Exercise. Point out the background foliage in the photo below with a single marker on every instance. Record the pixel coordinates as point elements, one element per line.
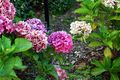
<point>28,8</point>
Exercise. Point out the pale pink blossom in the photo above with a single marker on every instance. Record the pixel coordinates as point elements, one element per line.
<point>38,39</point>
<point>61,74</point>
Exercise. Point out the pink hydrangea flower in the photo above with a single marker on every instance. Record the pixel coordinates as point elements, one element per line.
<point>6,25</point>
<point>38,39</point>
<point>22,28</point>
<point>61,41</point>
<point>61,74</point>
<point>36,36</point>
<point>7,9</point>
<point>36,24</point>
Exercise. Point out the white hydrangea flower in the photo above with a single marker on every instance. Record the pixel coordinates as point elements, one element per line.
<point>109,3</point>
<point>80,27</point>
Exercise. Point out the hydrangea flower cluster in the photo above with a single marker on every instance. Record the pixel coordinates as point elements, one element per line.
<point>36,24</point>
<point>6,25</point>
<point>61,74</point>
<point>38,39</point>
<point>80,27</point>
<point>7,9</point>
<point>33,30</point>
<point>22,28</point>
<point>111,3</point>
<point>61,41</point>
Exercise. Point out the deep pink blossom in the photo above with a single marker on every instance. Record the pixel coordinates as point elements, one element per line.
<point>61,41</point>
<point>38,39</point>
<point>36,24</point>
<point>7,9</point>
<point>61,74</point>
<point>6,25</point>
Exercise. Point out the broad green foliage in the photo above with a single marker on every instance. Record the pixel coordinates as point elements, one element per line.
<point>43,62</point>
<point>8,61</point>
<point>105,37</point>
<point>105,22</point>
<point>107,65</point>
<point>95,12</point>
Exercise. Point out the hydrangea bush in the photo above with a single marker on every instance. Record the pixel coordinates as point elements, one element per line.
<point>99,20</point>
<point>29,38</point>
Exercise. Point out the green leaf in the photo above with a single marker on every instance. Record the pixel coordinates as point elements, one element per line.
<point>18,63</point>
<point>9,65</point>
<point>115,18</point>
<point>103,29</point>
<point>21,45</point>
<point>8,78</point>
<point>97,64</point>
<point>108,53</point>
<point>0,45</point>
<point>97,3</point>
<point>54,73</point>
<point>98,71</point>
<point>90,5</point>
<point>116,65</point>
<point>39,78</point>
<point>10,50</point>
<point>107,63</point>
<point>118,10</point>
<point>95,36</point>
<point>95,44</point>
<point>109,43</point>
<point>82,10</point>
<point>6,42</point>
<point>86,18</point>
<point>114,76</point>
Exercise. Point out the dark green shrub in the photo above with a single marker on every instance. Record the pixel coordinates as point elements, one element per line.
<point>60,6</point>
<point>26,8</point>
